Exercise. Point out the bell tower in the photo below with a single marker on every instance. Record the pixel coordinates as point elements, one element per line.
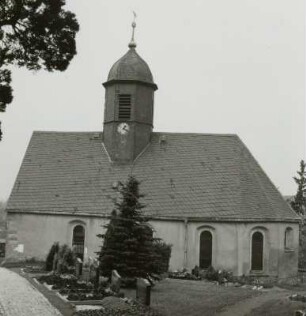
<point>129,106</point>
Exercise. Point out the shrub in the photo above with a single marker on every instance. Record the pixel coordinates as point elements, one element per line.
<point>67,258</point>
<point>162,256</point>
<point>225,276</point>
<point>183,275</point>
<point>211,274</point>
<point>50,257</point>
<point>267,285</point>
<point>128,282</point>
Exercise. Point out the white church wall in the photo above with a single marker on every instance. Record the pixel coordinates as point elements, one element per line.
<point>231,242</point>
<point>231,246</point>
<point>38,232</point>
<point>172,233</point>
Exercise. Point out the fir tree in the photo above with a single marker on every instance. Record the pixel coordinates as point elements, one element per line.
<point>299,201</point>
<point>299,205</point>
<point>128,240</point>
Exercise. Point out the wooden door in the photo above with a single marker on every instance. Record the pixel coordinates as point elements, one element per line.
<point>205,249</point>
<point>257,251</point>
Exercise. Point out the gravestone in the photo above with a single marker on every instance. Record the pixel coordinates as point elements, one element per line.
<point>85,276</point>
<point>102,279</point>
<point>97,277</point>
<point>78,267</point>
<point>143,291</point>
<point>115,281</point>
<point>54,265</point>
<point>59,265</point>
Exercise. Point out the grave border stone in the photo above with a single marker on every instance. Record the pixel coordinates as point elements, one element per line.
<point>143,291</point>
<point>115,281</point>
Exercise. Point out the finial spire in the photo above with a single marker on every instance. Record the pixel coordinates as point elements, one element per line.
<point>132,43</point>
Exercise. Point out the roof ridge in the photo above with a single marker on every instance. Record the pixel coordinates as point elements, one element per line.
<point>66,132</point>
<point>154,133</point>
<point>198,134</point>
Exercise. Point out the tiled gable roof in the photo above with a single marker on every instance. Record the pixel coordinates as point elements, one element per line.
<point>184,175</point>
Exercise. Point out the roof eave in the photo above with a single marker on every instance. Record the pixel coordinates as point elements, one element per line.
<point>164,218</point>
<point>120,81</point>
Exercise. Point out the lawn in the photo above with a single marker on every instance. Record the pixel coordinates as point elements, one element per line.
<point>278,308</point>
<point>183,297</point>
<point>192,298</point>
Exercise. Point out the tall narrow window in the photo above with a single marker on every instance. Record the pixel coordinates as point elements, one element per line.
<point>124,101</point>
<point>2,250</point>
<point>78,241</point>
<point>257,251</point>
<point>288,238</point>
<point>205,249</point>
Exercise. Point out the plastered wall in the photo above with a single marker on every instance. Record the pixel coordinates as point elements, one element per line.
<point>37,233</point>
<point>231,242</point>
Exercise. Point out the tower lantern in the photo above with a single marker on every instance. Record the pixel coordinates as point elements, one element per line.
<point>129,106</point>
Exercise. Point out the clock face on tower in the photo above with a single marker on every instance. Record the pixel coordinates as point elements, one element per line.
<point>123,128</point>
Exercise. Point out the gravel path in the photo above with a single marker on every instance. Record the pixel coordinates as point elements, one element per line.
<point>244,307</point>
<point>19,298</point>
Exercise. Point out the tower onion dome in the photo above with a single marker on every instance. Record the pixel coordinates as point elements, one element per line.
<point>131,67</point>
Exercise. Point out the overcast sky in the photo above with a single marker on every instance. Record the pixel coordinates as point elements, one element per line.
<point>221,67</point>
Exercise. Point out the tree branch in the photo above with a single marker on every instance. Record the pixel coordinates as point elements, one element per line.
<point>16,14</point>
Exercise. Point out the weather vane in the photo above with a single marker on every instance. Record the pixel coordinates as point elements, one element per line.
<point>132,43</point>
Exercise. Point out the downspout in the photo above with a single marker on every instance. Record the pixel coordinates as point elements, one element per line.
<point>186,242</point>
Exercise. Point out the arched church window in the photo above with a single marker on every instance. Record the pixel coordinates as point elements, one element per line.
<point>257,251</point>
<point>78,239</point>
<point>124,101</point>
<point>288,238</point>
<point>2,249</point>
<point>205,249</point>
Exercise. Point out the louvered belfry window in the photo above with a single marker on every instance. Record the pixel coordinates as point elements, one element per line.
<point>124,106</point>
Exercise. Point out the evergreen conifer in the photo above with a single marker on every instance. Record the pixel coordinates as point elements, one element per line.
<point>299,201</point>
<point>128,241</point>
<point>299,205</point>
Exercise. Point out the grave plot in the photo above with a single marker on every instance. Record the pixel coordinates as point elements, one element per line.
<point>102,298</point>
<point>80,291</point>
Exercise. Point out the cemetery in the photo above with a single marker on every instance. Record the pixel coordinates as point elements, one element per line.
<point>130,273</point>
<point>92,295</point>
<point>169,296</point>
<point>213,234</point>
<point>177,292</point>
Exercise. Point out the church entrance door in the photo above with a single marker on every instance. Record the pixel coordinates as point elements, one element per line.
<point>205,249</point>
<point>78,241</point>
<point>257,251</point>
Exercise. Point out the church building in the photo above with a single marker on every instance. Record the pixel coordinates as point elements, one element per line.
<point>204,193</point>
